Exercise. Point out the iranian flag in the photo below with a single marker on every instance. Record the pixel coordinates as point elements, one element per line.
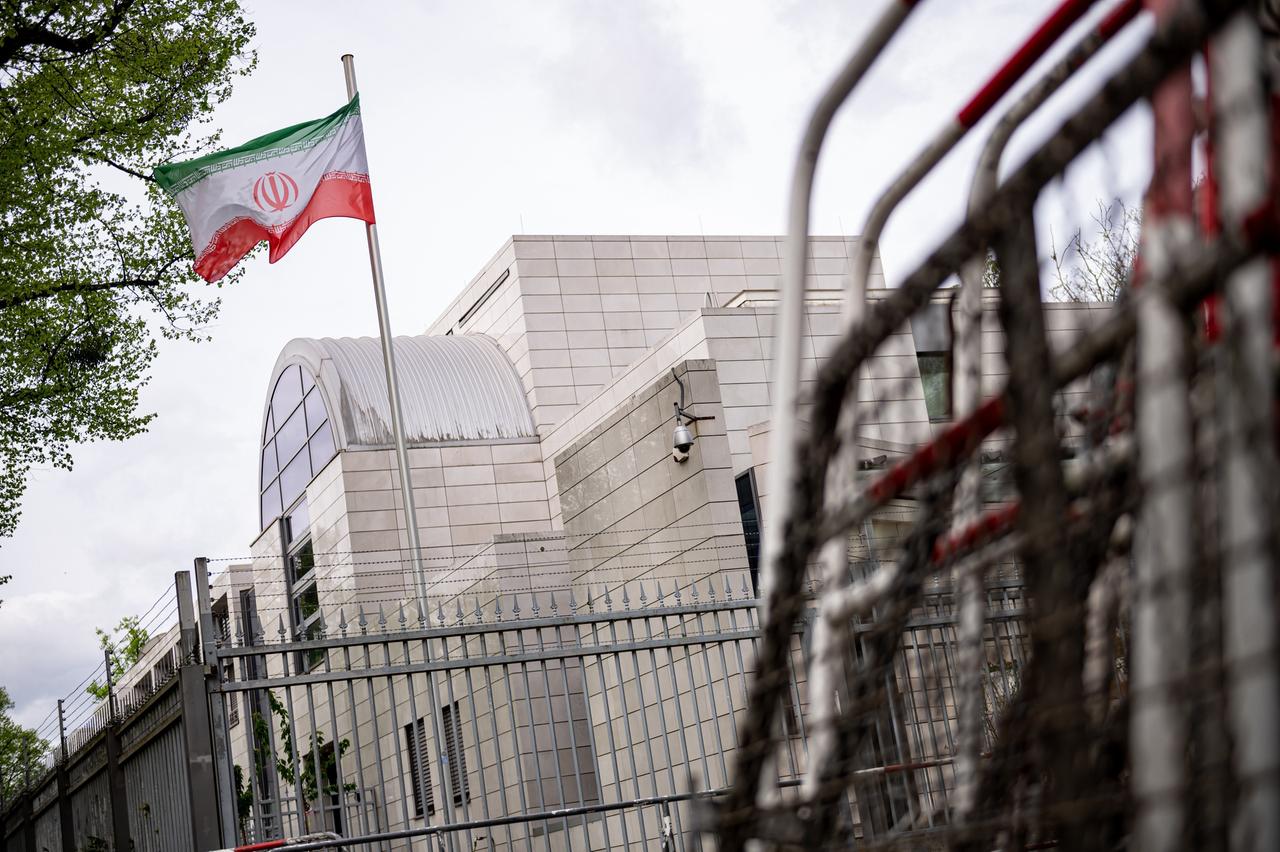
<point>272,189</point>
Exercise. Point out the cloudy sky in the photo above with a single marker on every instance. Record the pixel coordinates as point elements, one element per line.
<point>485,119</point>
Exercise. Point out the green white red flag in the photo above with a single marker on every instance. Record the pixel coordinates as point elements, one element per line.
<point>271,188</point>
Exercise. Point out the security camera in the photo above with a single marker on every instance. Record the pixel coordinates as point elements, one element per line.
<point>682,439</point>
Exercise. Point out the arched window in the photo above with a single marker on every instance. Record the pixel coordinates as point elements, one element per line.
<point>297,441</point>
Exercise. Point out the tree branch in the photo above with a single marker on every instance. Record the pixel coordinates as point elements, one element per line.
<point>23,298</point>
<point>26,35</point>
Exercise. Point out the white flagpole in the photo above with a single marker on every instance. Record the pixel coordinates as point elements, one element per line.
<point>393,385</point>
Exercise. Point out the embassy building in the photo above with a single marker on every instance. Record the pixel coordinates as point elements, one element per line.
<point>539,411</point>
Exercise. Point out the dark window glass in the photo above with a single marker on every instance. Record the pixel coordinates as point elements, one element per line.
<point>291,437</point>
<point>935,376</point>
<point>288,393</point>
<point>301,562</point>
<point>455,751</point>
<point>269,466</point>
<point>415,740</point>
<point>322,448</point>
<point>294,478</point>
<point>270,503</point>
<point>749,508</point>
<point>297,524</point>
<point>306,603</point>
<point>315,410</point>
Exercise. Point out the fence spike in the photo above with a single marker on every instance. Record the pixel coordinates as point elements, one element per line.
<point>573,602</point>
<point>746,590</point>
<point>608,601</point>
<point>440,611</point>
<point>497,607</point>
<point>479,614</point>
<point>591,605</point>
<point>342,620</point>
<point>403,621</point>
<point>661,599</point>
<point>676,590</point>
<point>239,634</point>
<point>422,614</point>
<point>382,620</point>
<point>728,590</point>
<point>280,628</point>
<point>626,599</point>
<point>711,590</point>
<point>534,595</point>
<point>459,613</point>
<point>693,592</point>
<point>515,605</point>
<point>362,621</point>
<point>643,599</point>
<point>555,608</point>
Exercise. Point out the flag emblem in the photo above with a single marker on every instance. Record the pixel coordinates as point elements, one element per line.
<point>274,191</point>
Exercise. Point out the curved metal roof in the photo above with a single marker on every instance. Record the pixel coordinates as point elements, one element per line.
<point>452,388</point>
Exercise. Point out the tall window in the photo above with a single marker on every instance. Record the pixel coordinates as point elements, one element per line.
<point>300,579</point>
<point>935,376</point>
<point>749,508</point>
<point>415,741</point>
<point>297,441</point>
<point>455,751</point>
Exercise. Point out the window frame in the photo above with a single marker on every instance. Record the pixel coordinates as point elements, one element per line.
<point>308,626</point>
<point>415,740</point>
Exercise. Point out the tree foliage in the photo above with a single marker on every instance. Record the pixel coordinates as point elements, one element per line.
<point>122,652</point>
<point>314,778</point>
<point>21,751</point>
<point>95,264</point>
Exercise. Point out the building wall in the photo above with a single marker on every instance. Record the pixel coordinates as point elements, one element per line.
<point>577,311</point>
<point>630,511</point>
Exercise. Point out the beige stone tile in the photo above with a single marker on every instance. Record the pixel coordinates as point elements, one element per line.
<point>466,455</point>
<point>620,302</point>
<point>579,285</point>
<point>689,266</point>
<point>656,284</point>
<point>516,453</point>
<point>545,322</point>
<point>610,247</point>
<point>649,249</point>
<point>573,248</point>
<point>522,492</point>
<point>575,266</point>
<point>525,249</point>
<point>529,287</point>
<point>646,267</point>
<point>476,474</point>
<point>581,303</point>
<point>723,248</point>
<point>605,267</point>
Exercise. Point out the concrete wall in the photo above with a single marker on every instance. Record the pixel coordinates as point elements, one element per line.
<point>576,311</point>
<point>630,511</point>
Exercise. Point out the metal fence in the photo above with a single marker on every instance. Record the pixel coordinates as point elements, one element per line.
<point>562,720</point>
<point>1142,708</point>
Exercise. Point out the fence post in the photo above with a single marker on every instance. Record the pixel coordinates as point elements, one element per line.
<point>216,702</point>
<point>66,826</point>
<point>118,794</point>
<point>202,787</point>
